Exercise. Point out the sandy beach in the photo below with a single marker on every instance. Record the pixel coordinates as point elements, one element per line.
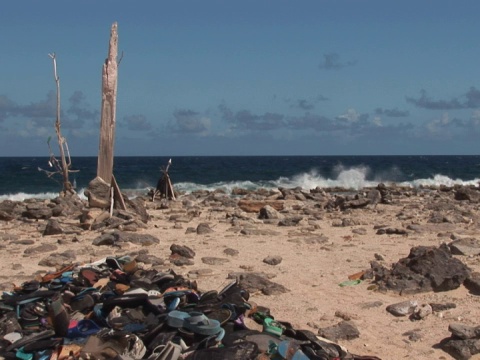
<point>316,254</point>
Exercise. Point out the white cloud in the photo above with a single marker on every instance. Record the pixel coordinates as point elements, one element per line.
<point>351,116</point>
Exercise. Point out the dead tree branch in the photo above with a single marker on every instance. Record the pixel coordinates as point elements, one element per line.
<point>61,167</point>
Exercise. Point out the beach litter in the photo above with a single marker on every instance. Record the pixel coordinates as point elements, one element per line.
<point>115,309</point>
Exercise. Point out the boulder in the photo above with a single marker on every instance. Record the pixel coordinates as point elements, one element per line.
<point>98,193</point>
<point>426,268</point>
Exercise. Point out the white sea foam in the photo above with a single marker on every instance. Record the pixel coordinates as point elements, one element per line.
<point>443,180</point>
<point>353,178</point>
<point>21,196</point>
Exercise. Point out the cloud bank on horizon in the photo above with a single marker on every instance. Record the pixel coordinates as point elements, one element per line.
<point>246,78</point>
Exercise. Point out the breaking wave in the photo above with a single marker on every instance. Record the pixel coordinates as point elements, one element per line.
<point>353,178</point>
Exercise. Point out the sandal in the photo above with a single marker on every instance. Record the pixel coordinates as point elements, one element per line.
<point>272,326</point>
<point>171,351</point>
<point>198,323</point>
<point>82,328</point>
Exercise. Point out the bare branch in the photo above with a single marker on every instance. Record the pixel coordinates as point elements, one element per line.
<point>62,167</point>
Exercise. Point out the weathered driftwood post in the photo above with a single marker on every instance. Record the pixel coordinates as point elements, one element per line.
<point>103,191</point>
<point>109,102</point>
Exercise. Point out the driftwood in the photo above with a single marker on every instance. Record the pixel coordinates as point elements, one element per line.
<point>109,102</point>
<point>108,120</point>
<point>61,167</point>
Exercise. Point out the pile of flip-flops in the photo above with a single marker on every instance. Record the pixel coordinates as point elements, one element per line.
<point>114,309</point>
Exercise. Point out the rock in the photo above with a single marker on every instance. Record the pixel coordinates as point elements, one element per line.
<point>374,196</point>
<point>23,242</point>
<point>344,330</point>
<point>250,231</point>
<point>7,210</point>
<point>203,228</point>
<point>360,231</point>
<point>183,251</point>
<point>422,311</point>
<point>90,218</point>
<point>356,204</point>
<point>345,315</point>
<point>149,259</point>
<point>230,252</point>
<point>254,206</point>
<point>320,239</point>
<point>272,260</point>
<point>137,205</point>
<point>460,349</point>
<point>268,212</point>
<point>290,221</point>
<point>52,228</point>
<point>180,218</point>
<point>5,216</point>
<point>43,248</point>
<point>98,193</point>
<point>462,331</point>
<point>442,307</point>
<point>379,257</point>
<point>201,272</point>
<point>105,240</point>
<point>403,308</point>
<point>37,211</point>
<point>467,246</point>
<point>137,239</point>
<point>467,193</point>
<point>58,260</point>
<point>413,335</point>
<point>254,282</point>
<point>372,304</point>
<point>214,260</point>
<point>426,268</point>
<point>472,283</point>
<point>181,261</point>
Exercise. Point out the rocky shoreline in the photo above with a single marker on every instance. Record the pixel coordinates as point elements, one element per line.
<point>406,259</point>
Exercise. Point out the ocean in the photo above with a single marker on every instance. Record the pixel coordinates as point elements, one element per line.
<point>21,179</point>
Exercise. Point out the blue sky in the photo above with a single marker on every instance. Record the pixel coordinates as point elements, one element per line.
<point>250,77</point>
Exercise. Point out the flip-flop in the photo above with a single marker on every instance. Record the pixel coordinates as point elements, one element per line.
<point>198,323</point>
<point>222,315</point>
<point>177,318</point>
<point>170,351</point>
<point>320,346</point>
<point>350,283</point>
<point>290,350</point>
<point>84,328</point>
<point>272,326</point>
<point>42,335</point>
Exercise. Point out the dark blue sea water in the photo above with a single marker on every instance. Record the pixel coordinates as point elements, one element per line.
<point>20,177</point>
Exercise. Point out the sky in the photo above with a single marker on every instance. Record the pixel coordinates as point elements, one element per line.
<point>249,77</point>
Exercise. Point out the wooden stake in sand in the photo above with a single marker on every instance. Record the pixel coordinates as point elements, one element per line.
<point>109,102</point>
